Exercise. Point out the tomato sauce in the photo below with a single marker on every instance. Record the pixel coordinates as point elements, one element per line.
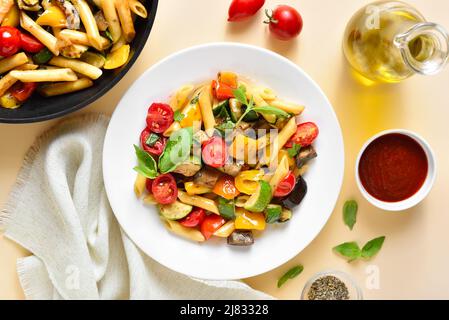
<point>393,168</point>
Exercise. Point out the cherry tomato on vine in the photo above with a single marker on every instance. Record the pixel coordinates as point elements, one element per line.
<point>286,186</point>
<point>241,9</point>
<point>9,41</point>
<point>214,152</point>
<point>152,143</point>
<point>30,43</point>
<point>305,135</point>
<point>194,219</point>
<point>164,189</point>
<point>211,224</point>
<point>160,117</point>
<point>285,22</point>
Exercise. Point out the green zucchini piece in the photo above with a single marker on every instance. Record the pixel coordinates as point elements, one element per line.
<point>175,211</point>
<point>273,213</point>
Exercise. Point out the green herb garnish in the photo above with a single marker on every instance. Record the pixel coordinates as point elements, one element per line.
<point>226,208</point>
<point>178,116</point>
<point>177,150</point>
<point>146,164</point>
<point>294,150</point>
<point>352,251</point>
<point>290,274</point>
<point>350,213</point>
<point>195,99</point>
<point>152,139</point>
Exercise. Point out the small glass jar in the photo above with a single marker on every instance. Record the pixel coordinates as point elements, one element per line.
<point>355,293</point>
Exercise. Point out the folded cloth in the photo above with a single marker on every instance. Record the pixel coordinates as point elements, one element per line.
<point>59,211</point>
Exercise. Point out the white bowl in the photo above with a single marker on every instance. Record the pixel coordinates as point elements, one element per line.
<point>215,259</point>
<point>417,197</point>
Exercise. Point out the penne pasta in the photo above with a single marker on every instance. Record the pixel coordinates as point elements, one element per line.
<point>56,89</point>
<point>266,93</point>
<point>282,138</point>
<point>110,14</point>
<point>12,62</point>
<point>44,75</point>
<point>120,43</point>
<point>5,6</point>
<point>201,202</point>
<point>187,233</point>
<point>139,185</point>
<point>226,230</point>
<point>138,8</point>
<point>296,109</point>
<point>126,19</point>
<point>281,172</point>
<point>205,101</point>
<point>78,37</point>
<point>8,81</point>
<point>181,97</point>
<point>89,23</point>
<point>49,40</point>
<point>77,66</point>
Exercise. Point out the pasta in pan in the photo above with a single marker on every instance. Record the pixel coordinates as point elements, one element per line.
<point>223,159</point>
<point>85,36</point>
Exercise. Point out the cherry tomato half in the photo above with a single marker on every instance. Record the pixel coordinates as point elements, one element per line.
<point>285,22</point>
<point>241,9</point>
<point>211,224</point>
<point>155,148</point>
<point>23,90</point>
<point>222,91</point>
<point>164,189</point>
<point>9,41</point>
<point>194,219</point>
<point>149,185</point>
<point>30,43</point>
<point>305,135</point>
<point>160,117</point>
<point>214,152</point>
<point>286,186</point>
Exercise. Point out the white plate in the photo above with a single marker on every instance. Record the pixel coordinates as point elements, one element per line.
<point>215,259</point>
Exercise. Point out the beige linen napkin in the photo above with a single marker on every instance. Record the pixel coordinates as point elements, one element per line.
<point>59,211</point>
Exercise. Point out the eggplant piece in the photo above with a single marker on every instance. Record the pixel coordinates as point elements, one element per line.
<point>72,15</point>
<point>305,155</point>
<point>232,169</point>
<point>241,238</point>
<point>296,196</point>
<point>207,177</point>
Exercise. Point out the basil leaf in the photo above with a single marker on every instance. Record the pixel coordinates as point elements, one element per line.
<point>178,116</point>
<point>240,95</point>
<point>147,165</point>
<point>272,110</point>
<point>290,274</point>
<point>294,150</point>
<point>349,250</point>
<point>177,150</point>
<point>229,125</point>
<point>350,213</point>
<point>152,139</point>
<point>226,208</point>
<point>372,247</point>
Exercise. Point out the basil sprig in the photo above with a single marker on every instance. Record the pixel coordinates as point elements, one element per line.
<point>290,274</point>
<point>352,251</point>
<point>146,164</point>
<point>350,213</point>
<point>294,150</point>
<point>177,150</point>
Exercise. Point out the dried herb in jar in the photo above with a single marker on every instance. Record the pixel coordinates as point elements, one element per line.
<point>328,288</point>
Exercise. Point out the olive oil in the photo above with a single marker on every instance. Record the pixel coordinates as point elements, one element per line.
<point>391,41</point>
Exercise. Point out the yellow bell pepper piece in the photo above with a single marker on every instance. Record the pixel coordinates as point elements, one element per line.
<point>226,230</point>
<point>53,17</point>
<point>245,149</point>
<point>193,189</point>
<point>117,58</point>
<point>246,220</point>
<point>12,18</point>
<point>192,113</point>
<point>284,153</point>
<point>9,102</point>
<point>246,181</point>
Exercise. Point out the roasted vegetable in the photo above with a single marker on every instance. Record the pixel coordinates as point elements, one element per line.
<point>286,215</point>
<point>232,169</point>
<point>305,155</point>
<point>189,167</point>
<point>207,177</point>
<point>273,213</point>
<point>72,15</point>
<point>241,238</point>
<point>296,196</point>
<point>29,5</point>
<point>175,211</point>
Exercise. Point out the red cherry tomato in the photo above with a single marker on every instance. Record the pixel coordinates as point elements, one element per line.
<point>30,43</point>
<point>149,185</point>
<point>241,9</point>
<point>286,186</point>
<point>305,135</point>
<point>222,91</point>
<point>164,189</point>
<point>23,91</point>
<point>157,147</point>
<point>285,22</point>
<point>160,117</point>
<point>9,41</point>
<point>214,152</point>
<point>211,224</point>
<point>194,219</point>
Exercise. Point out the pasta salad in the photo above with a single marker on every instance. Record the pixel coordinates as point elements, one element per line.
<point>224,159</point>
<point>57,47</point>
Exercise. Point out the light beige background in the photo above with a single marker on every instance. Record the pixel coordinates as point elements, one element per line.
<point>414,261</point>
